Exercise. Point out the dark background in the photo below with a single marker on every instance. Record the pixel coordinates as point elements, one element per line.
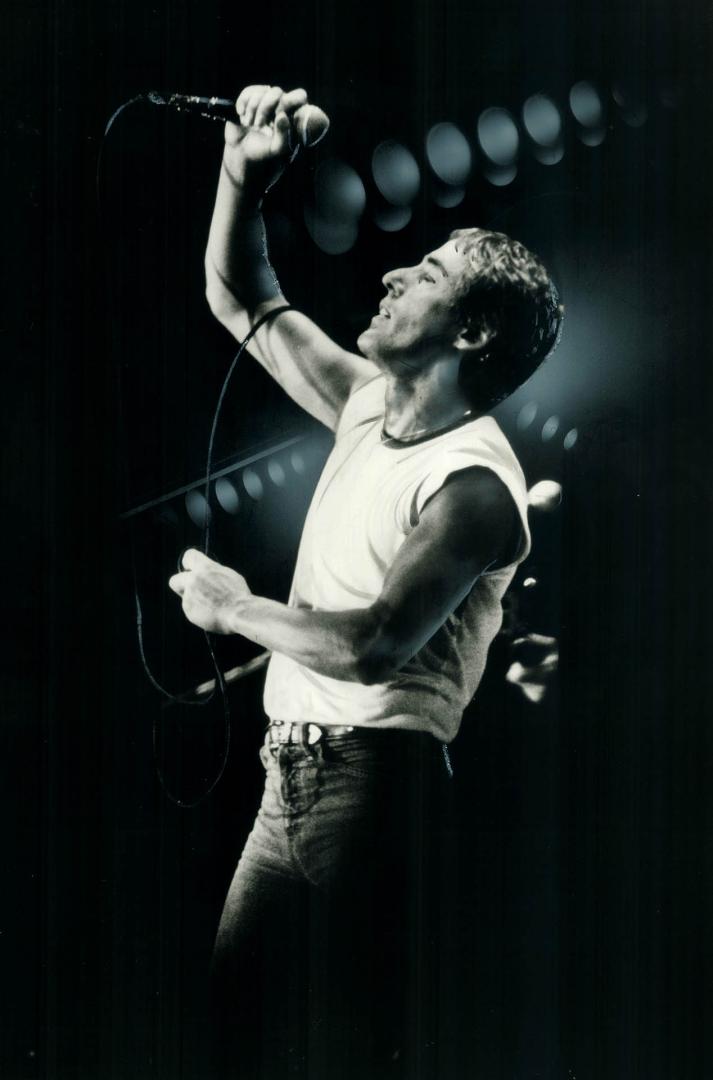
<point>580,937</point>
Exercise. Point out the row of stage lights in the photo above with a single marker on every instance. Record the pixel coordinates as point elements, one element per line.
<point>230,491</point>
<point>340,194</point>
<point>244,484</point>
<point>550,428</point>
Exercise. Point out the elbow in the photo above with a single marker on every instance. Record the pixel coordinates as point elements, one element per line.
<point>221,297</point>
<point>376,656</point>
<point>222,303</point>
<point>369,670</point>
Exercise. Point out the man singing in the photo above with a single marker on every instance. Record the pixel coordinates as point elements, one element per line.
<point>325,946</point>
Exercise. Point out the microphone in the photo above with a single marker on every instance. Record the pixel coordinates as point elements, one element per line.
<point>309,123</point>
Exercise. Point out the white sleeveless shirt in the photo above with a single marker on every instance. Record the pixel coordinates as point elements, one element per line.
<point>368,499</point>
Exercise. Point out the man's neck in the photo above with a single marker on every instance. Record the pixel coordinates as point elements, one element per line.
<point>418,402</point>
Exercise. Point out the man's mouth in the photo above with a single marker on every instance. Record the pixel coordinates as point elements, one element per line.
<point>384,312</point>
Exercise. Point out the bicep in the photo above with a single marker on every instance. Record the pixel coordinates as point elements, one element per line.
<point>464,529</point>
<point>312,368</point>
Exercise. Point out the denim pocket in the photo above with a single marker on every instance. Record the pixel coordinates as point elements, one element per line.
<point>355,756</point>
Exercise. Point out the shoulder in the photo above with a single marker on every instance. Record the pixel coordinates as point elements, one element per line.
<point>474,489</point>
<point>476,485</point>
<point>471,506</point>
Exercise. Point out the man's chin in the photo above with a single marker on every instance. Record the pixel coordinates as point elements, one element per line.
<point>366,343</point>
<point>373,345</point>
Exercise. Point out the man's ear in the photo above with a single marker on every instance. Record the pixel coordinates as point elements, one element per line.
<point>475,339</point>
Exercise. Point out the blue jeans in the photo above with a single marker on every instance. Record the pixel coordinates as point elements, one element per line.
<point>322,954</point>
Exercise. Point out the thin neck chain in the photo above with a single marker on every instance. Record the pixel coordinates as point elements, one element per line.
<point>424,433</point>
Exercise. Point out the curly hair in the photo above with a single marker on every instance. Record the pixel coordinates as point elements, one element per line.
<point>508,291</point>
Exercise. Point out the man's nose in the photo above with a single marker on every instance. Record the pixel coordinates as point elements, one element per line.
<point>393,282</point>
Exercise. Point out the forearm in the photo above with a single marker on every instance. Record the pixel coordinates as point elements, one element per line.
<point>347,645</point>
<point>239,276</point>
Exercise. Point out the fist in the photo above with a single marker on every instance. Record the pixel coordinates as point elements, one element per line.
<point>270,125</point>
<point>210,592</point>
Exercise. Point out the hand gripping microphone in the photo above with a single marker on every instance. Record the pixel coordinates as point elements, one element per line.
<point>310,124</point>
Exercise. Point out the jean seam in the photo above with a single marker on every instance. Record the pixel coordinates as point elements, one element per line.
<point>291,843</point>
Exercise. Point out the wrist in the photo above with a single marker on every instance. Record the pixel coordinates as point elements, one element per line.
<point>235,617</point>
<point>249,188</point>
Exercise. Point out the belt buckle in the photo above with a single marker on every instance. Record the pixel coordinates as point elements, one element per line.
<point>281,732</point>
<point>314,734</point>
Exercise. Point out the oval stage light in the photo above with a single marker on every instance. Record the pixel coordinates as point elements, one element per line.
<point>396,173</point>
<point>550,428</point>
<point>226,495</point>
<point>447,197</point>
<point>526,415</point>
<point>449,154</point>
<point>570,438</point>
<point>197,508</point>
<point>500,176</point>
<point>339,193</point>
<point>333,238</point>
<point>592,136</point>
<point>586,104</point>
<point>276,473</point>
<point>392,218</point>
<point>498,136</point>
<point>542,120</point>
<point>253,484</point>
<point>549,155</point>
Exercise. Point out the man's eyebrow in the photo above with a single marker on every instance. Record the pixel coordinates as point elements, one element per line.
<point>436,262</point>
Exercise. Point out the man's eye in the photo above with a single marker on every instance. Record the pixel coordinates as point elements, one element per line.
<point>427,277</point>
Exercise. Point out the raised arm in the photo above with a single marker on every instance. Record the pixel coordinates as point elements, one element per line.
<point>469,525</point>
<point>241,285</point>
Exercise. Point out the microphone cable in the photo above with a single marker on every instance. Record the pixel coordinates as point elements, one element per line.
<point>219,686</point>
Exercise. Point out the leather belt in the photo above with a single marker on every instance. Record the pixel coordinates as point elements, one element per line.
<point>280,732</point>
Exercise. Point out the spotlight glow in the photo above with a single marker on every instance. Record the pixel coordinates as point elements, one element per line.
<point>197,508</point>
<point>629,96</point>
<point>448,197</point>
<point>570,438</point>
<point>332,238</point>
<point>549,155</point>
<point>449,154</point>
<point>396,173</point>
<point>526,415</point>
<point>339,193</point>
<point>500,177</point>
<point>392,218</point>
<point>586,104</point>
<point>297,462</point>
<point>592,136</point>
<point>276,473</point>
<point>498,136</point>
<point>550,428</point>
<point>253,484</point>
<point>226,495</point>
<point>542,120</point>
